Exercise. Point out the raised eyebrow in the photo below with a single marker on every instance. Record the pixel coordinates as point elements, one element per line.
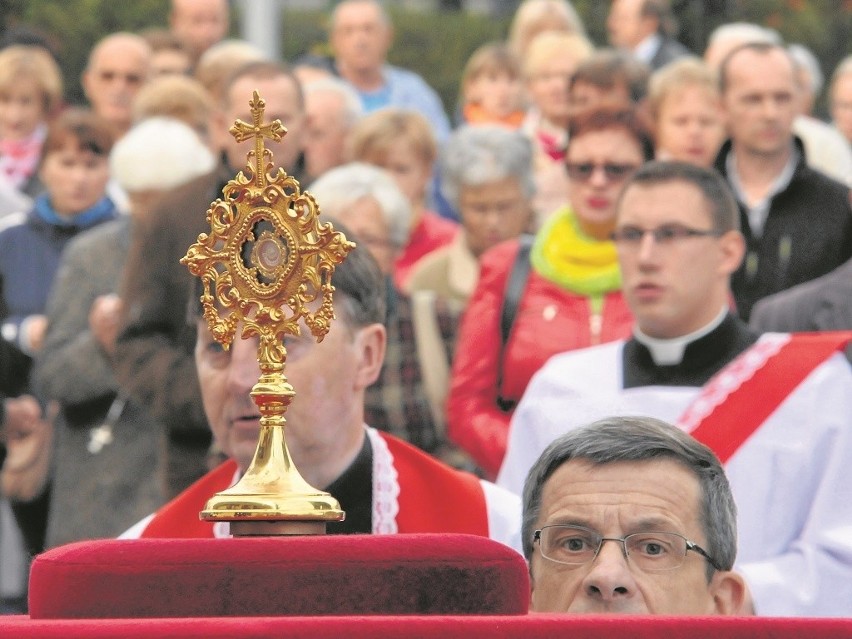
<point>652,524</point>
<point>570,521</point>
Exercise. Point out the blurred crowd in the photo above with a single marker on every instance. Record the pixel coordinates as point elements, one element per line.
<point>492,225</point>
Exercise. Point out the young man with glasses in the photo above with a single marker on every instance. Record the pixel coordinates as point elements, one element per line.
<point>775,410</point>
<point>631,515</point>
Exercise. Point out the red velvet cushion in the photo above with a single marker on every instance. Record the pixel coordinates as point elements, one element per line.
<point>340,575</point>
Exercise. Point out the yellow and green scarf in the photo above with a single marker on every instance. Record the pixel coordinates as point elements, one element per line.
<point>566,256</point>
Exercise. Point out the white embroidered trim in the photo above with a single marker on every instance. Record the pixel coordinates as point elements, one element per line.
<point>385,490</point>
<point>731,378</point>
<point>385,486</point>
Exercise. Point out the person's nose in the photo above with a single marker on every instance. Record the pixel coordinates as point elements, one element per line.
<point>694,128</point>
<point>17,111</point>
<point>493,218</point>
<point>598,177</point>
<point>78,175</point>
<point>646,251</point>
<point>610,577</point>
<point>770,108</point>
<point>243,369</point>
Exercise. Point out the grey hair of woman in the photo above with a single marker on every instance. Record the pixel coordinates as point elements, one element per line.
<point>477,155</point>
<point>629,439</point>
<point>342,186</point>
<point>805,59</point>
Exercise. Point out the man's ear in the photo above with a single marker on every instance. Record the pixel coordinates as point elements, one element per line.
<point>733,247</point>
<point>532,585</point>
<point>370,343</point>
<point>730,594</point>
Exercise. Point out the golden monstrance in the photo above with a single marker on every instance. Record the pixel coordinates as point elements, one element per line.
<point>265,265</point>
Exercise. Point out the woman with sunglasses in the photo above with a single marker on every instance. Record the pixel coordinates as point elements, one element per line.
<point>561,293</point>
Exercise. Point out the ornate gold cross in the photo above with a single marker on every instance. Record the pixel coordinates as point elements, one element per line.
<point>242,131</point>
<point>265,263</point>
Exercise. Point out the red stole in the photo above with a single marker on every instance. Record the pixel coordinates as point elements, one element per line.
<point>740,397</point>
<point>179,518</point>
<point>432,498</point>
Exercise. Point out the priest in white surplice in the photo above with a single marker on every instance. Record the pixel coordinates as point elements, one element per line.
<point>776,410</point>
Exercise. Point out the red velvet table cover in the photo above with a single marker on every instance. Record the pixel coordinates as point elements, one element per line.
<point>279,576</point>
<point>437,627</point>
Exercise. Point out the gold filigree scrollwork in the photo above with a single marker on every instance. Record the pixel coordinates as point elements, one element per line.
<point>266,250</point>
<point>265,265</point>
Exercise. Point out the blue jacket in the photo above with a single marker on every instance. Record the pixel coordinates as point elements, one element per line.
<point>30,249</point>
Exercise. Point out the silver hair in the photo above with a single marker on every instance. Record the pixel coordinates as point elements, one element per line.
<point>353,108</point>
<point>620,439</point>
<point>476,155</point>
<point>805,59</point>
<point>743,32</point>
<point>159,153</point>
<point>341,187</point>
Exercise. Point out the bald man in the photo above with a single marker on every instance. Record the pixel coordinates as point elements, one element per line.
<point>118,66</point>
<point>360,36</point>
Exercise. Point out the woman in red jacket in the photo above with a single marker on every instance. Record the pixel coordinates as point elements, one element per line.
<point>567,287</point>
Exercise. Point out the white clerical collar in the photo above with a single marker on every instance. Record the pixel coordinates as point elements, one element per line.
<point>647,49</point>
<point>668,352</point>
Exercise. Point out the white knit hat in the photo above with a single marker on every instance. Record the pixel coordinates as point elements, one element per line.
<point>159,153</point>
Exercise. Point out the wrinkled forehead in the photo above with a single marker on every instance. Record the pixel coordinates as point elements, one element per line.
<point>659,493</point>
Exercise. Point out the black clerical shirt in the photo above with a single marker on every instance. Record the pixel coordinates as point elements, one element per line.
<point>702,358</point>
<point>354,490</point>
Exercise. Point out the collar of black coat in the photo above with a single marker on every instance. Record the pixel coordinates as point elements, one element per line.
<point>702,358</point>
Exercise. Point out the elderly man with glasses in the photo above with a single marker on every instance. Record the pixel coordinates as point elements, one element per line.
<point>648,488</point>
<point>776,410</point>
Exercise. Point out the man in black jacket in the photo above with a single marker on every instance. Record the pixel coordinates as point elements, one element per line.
<point>797,221</point>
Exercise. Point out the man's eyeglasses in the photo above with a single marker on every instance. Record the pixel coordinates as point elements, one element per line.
<point>583,171</point>
<point>665,234</point>
<point>651,551</point>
